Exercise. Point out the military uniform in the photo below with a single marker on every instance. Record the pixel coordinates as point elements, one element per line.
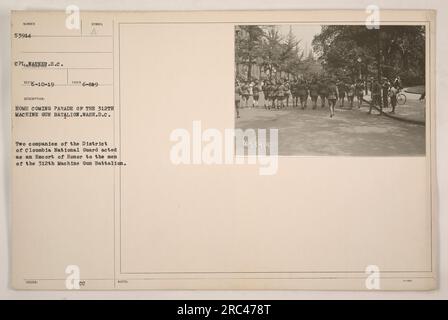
<point>314,93</point>
<point>265,89</point>
<point>385,87</point>
<point>272,94</point>
<point>376,95</point>
<point>351,94</point>
<point>281,95</point>
<point>332,97</point>
<point>294,92</point>
<point>393,98</point>
<point>323,92</point>
<point>302,92</point>
<point>287,92</point>
<point>245,93</point>
<point>359,88</point>
<point>332,93</point>
<point>237,99</point>
<point>342,88</point>
<point>256,94</point>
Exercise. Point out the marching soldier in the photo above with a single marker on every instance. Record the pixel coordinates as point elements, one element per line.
<point>302,92</point>
<point>237,98</point>
<point>256,94</point>
<point>245,93</point>
<point>266,90</point>
<point>359,92</point>
<point>273,93</point>
<point>350,94</point>
<point>342,88</point>
<point>281,90</point>
<point>295,96</point>
<point>323,91</point>
<point>314,92</point>
<point>332,96</point>
<point>385,90</point>
<point>287,92</point>
<point>376,95</point>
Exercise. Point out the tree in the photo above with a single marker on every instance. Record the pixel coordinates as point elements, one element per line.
<point>271,50</point>
<point>266,47</point>
<point>291,56</point>
<point>388,51</point>
<point>248,41</point>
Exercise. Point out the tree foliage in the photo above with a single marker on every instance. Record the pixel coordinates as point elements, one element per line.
<point>266,47</point>
<point>388,51</point>
<point>343,51</point>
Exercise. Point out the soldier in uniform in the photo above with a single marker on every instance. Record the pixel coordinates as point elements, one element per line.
<point>332,96</point>
<point>385,90</point>
<point>287,92</point>
<point>323,91</point>
<point>295,95</point>
<point>245,93</point>
<point>314,92</point>
<point>370,84</point>
<point>359,88</point>
<point>265,88</point>
<point>342,88</point>
<point>393,98</point>
<point>376,95</point>
<point>272,93</point>
<point>256,94</point>
<point>302,92</point>
<point>281,90</point>
<point>237,98</point>
<point>351,94</point>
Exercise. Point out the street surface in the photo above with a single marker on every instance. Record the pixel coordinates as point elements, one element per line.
<point>349,133</point>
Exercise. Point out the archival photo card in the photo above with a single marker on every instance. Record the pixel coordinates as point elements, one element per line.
<point>240,150</point>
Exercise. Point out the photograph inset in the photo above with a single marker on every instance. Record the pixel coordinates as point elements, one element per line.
<point>343,90</point>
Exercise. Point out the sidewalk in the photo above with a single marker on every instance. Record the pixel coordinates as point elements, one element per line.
<point>413,111</point>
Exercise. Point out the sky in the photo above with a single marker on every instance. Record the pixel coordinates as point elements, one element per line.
<point>303,32</point>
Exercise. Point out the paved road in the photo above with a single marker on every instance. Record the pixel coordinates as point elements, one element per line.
<point>349,133</point>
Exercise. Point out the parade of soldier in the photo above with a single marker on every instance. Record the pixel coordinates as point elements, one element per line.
<point>366,85</point>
